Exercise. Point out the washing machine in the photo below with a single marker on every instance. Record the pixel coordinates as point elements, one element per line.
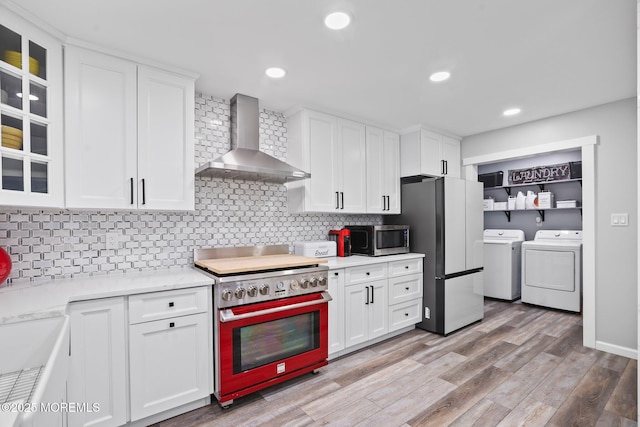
<point>502,258</point>
<point>552,269</point>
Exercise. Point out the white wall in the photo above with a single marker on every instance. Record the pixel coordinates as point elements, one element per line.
<point>616,192</point>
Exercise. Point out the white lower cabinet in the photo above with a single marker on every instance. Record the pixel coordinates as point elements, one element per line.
<point>160,361</point>
<point>97,362</point>
<point>377,300</point>
<point>336,311</point>
<point>365,311</point>
<point>168,364</point>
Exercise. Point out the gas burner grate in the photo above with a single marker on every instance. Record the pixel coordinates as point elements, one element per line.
<point>19,385</point>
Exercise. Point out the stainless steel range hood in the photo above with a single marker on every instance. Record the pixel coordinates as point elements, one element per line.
<point>245,160</point>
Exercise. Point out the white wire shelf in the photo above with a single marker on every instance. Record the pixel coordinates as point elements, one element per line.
<point>19,385</point>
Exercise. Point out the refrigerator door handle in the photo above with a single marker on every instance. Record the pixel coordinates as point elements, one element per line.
<point>459,273</point>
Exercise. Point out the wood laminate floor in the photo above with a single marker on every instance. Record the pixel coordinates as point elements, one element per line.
<point>520,366</point>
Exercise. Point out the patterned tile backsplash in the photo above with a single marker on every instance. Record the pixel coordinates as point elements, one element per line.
<point>47,244</point>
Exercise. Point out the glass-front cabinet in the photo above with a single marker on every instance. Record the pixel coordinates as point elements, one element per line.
<point>30,115</point>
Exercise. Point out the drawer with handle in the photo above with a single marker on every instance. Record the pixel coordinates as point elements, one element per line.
<point>405,288</point>
<point>364,274</point>
<point>410,266</point>
<point>405,314</point>
<point>166,304</point>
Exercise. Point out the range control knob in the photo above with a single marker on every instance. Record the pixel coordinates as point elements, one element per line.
<point>304,283</point>
<point>227,295</point>
<point>314,282</point>
<point>252,291</point>
<point>322,281</point>
<point>240,292</point>
<point>294,285</point>
<point>264,289</point>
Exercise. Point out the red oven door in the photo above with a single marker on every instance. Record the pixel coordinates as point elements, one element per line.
<point>265,343</point>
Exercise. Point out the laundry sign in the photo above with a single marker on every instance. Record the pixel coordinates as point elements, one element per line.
<point>557,172</point>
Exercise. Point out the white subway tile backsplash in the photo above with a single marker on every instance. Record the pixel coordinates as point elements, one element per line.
<point>45,244</point>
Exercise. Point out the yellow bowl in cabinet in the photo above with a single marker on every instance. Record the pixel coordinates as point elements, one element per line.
<point>11,131</point>
<point>9,142</point>
<point>15,58</point>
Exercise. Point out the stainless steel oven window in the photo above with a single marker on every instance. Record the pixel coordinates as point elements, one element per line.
<point>267,342</point>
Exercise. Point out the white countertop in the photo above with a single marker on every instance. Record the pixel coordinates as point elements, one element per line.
<point>358,260</point>
<point>50,298</point>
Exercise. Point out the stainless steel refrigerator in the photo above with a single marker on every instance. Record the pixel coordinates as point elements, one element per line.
<point>446,219</point>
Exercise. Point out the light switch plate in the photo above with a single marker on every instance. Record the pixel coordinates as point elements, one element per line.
<point>620,220</point>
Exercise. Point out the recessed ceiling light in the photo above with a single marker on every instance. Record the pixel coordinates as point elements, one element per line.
<point>337,20</point>
<point>511,112</point>
<point>440,76</point>
<point>275,72</point>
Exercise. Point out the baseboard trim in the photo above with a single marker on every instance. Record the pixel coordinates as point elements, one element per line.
<point>616,349</point>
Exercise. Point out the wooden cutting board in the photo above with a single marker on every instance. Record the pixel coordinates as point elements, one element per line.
<point>257,263</point>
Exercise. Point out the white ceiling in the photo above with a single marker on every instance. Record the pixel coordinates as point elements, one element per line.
<point>545,56</point>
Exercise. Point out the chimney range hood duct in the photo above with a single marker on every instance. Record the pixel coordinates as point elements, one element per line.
<point>245,160</point>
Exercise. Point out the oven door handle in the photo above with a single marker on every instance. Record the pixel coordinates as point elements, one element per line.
<point>228,316</point>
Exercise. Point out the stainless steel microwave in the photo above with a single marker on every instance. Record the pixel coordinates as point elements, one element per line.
<point>376,240</point>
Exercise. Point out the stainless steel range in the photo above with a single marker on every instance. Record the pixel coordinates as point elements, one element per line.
<point>270,316</point>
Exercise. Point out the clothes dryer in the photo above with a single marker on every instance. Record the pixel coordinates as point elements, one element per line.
<point>502,257</point>
<point>552,269</point>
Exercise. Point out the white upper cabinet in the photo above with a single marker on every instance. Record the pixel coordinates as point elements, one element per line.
<point>101,130</point>
<point>383,171</point>
<point>31,156</point>
<point>333,151</point>
<point>354,168</point>
<point>423,152</point>
<point>166,122</point>
<point>351,138</point>
<point>450,155</point>
<point>129,134</point>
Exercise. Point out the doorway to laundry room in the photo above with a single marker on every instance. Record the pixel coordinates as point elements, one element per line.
<point>579,218</point>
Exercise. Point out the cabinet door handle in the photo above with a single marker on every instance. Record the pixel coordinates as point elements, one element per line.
<point>367,300</point>
<point>131,183</point>
<point>336,274</point>
<point>388,203</point>
<point>171,324</point>
<point>442,167</point>
<point>384,203</point>
<point>143,191</point>
<point>171,304</point>
<point>341,200</point>
<point>446,167</point>
<point>337,200</point>
<point>372,295</point>
<point>406,288</point>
